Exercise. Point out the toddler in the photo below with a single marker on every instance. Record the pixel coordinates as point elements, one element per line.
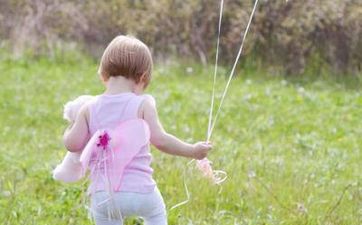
<point>115,129</point>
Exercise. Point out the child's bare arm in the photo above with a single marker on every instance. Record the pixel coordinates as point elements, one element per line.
<point>76,135</point>
<point>167,142</point>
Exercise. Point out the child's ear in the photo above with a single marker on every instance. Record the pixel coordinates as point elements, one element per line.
<point>142,78</point>
<point>145,79</point>
<point>103,78</point>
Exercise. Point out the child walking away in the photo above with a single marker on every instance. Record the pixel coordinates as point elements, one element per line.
<point>114,131</point>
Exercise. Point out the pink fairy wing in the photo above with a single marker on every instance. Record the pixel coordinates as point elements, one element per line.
<point>127,140</point>
<point>130,135</point>
<point>86,155</point>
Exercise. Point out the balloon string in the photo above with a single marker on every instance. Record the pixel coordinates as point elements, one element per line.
<point>232,71</point>
<point>211,110</point>
<point>186,189</point>
<point>205,165</point>
<point>215,71</point>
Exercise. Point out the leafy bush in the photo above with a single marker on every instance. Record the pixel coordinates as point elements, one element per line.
<point>290,35</point>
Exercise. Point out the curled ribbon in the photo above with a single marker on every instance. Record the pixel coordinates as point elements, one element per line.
<point>204,165</point>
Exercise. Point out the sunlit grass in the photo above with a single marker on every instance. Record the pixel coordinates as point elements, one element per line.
<point>291,147</point>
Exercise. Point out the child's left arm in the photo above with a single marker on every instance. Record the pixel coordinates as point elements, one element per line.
<point>76,135</point>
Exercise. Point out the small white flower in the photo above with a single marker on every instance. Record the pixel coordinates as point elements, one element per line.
<point>301,208</point>
<point>6,193</point>
<point>251,174</point>
<point>247,97</point>
<point>301,90</point>
<point>267,92</point>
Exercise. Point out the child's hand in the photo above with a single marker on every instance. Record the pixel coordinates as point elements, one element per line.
<point>200,150</point>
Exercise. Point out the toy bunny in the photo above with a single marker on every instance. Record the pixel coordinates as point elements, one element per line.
<point>70,169</point>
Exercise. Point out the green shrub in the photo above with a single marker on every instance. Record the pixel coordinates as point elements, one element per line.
<point>288,35</point>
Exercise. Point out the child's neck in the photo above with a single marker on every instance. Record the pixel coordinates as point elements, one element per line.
<point>117,85</point>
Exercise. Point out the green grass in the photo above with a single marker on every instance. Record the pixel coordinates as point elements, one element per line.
<point>291,147</point>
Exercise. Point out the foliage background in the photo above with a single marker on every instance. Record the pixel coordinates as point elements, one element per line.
<point>291,145</point>
<point>287,36</point>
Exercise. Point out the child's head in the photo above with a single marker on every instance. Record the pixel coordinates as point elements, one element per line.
<point>128,57</point>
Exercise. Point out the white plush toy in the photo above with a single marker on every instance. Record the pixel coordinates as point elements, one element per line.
<point>70,170</point>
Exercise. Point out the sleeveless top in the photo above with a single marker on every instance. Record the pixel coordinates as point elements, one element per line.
<point>106,111</point>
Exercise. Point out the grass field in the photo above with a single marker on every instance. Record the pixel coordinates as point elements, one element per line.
<point>291,147</point>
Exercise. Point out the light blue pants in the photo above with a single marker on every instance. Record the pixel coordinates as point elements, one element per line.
<point>150,207</point>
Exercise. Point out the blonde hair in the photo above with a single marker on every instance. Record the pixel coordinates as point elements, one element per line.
<point>128,57</point>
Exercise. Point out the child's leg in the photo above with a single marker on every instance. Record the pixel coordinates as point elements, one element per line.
<point>155,210</point>
<point>149,206</point>
<point>159,219</point>
<point>104,220</point>
<point>101,210</point>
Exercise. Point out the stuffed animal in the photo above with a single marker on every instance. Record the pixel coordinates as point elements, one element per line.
<point>70,169</point>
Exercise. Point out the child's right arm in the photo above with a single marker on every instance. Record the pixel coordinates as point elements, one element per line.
<point>167,142</point>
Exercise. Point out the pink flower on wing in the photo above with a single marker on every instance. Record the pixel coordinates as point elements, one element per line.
<point>103,140</point>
